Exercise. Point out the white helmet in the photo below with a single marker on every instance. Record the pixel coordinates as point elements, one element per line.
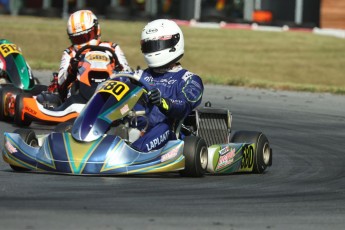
<point>83,29</point>
<point>162,43</point>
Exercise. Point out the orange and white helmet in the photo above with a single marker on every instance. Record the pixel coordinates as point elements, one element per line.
<point>83,29</point>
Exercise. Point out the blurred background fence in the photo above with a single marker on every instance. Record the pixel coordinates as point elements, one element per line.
<point>293,13</point>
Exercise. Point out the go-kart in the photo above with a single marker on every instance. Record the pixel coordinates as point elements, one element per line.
<point>95,65</point>
<point>99,141</point>
<point>15,76</point>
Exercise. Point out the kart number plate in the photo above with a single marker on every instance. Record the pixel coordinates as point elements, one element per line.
<point>6,49</point>
<point>116,88</point>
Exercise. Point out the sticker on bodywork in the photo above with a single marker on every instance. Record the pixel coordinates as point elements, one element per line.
<point>7,49</point>
<point>247,162</point>
<point>116,88</point>
<point>226,157</point>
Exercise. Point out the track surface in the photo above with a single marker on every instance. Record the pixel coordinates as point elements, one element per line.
<point>304,189</point>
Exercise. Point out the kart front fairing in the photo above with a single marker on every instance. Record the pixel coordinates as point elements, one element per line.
<point>89,149</point>
<point>109,155</point>
<point>16,68</point>
<point>112,101</point>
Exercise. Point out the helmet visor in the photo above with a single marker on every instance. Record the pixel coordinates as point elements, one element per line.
<point>162,43</point>
<point>84,36</point>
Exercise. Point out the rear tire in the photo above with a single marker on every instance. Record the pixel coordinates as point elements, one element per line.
<point>30,138</point>
<point>262,154</point>
<point>196,157</point>
<point>18,120</point>
<point>4,89</point>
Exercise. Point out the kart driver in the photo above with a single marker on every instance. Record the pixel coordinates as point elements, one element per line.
<point>82,29</point>
<point>173,91</point>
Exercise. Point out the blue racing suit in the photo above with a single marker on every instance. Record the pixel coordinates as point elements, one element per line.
<point>182,90</point>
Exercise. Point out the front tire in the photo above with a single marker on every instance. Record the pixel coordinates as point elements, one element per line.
<point>196,157</point>
<point>263,152</point>
<point>30,138</point>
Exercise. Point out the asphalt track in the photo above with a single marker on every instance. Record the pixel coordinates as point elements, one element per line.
<point>304,189</point>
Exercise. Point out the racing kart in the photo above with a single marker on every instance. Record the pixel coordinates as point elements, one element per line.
<point>15,76</point>
<point>95,65</point>
<point>99,141</point>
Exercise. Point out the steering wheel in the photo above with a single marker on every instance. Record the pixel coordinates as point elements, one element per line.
<point>79,54</point>
<point>136,78</point>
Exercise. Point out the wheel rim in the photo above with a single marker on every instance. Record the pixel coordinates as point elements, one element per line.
<point>33,143</point>
<point>266,153</point>
<point>203,157</point>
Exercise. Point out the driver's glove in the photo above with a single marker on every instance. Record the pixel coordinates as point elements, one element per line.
<point>73,67</point>
<point>156,99</point>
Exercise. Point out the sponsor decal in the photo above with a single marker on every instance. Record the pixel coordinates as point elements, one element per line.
<point>157,141</point>
<point>10,148</point>
<point>167,81</point>
<point>97,57</point>
<point>176,101</point>
<point>124,109</point>
<point>227,155</point>
<point>151,31</point>
<point>170,155</point>
<point>187,75</point>
<point>29,110</point>
<point>149,80</point>
<point>224,150</point>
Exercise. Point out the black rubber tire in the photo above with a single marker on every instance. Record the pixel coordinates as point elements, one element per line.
<point>28,135</point>
<point>65,127</point>
<point>262,153</point>
<point>30,138</point>
<point>19,108</point>
<point>4,89</point>
<point>2,103</point>
<point>196,157</point>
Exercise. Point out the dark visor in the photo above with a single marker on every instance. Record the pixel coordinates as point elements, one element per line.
<point>151,46</point>
<point>84,37</point>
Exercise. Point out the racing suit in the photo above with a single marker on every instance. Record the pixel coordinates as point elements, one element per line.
<point>182,92</point>
<point>66,75</point>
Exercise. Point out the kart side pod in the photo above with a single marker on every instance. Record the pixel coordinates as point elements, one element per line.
<point>229,151</point>
<point>248,151</point>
